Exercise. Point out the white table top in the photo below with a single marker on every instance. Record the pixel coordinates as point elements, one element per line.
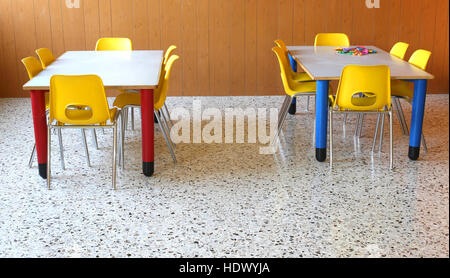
<point>323,63</point>
<point>117,69</point>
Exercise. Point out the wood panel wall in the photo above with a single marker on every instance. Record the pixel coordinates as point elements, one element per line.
<point>225,45</point>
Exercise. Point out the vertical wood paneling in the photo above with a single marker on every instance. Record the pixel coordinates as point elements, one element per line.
<point>237,55</point>
<point>24,34</point>
<point>299,23</point>
<point>171,33</point>
<point>122,18</point>
<point>251,40</point>
<point>140,25</point>
<point>315,19</point>
<point>267,71</point>
<point>56,23</point>
<point>8,68</point>
<point>189,31</point>
<point>154,24</point>
<point>203,64</point>
<point>91,23</point>
<point>73,27</point>
<point>225,45</point>
<point>43,24</point>
<point>104,7</point>
<point>220,45</point>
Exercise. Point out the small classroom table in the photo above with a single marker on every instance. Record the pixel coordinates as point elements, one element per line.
<point>323,64</point>
<point>138,70</point>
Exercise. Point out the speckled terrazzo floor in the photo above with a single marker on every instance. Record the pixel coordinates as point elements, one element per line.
<point>227,200</point>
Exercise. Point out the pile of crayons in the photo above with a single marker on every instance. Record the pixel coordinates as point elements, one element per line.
<point>355,51</point>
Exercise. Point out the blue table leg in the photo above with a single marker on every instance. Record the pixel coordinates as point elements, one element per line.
<point>322,119</point>
<point>418,111</point>
<point>293,107</point>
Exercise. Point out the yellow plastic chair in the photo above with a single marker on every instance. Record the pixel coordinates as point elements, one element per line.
<point>332,39</point>
<point>403,90</point>
<point>399,50</point>
<point>67,94</point>
<point>127,100</point>
<point>114,44</point>
<point>46,56</point>
<point>291,88</point>
<point>123,97</point>
<point>367,80</point>
<point>296,76</point>
<point>33,68</point>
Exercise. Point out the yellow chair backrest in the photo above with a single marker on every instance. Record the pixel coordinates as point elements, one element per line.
<point>281,44</point>
<point>332,39</point>
<point>420,58</point>
<point>374,81</point>
<point>114,44</point>
<point>32,65</point>
<point>399,50</point>
<point>164,87</point>
<point>46,56</point>
<point>284,68</point>
<point>69,93</point>
<point>169,53</point>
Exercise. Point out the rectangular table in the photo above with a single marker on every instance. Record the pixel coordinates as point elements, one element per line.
<point>323,64</point>
<point>139,70</point>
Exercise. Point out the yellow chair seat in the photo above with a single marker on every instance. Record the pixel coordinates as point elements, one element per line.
<point>301,77</point>
<point>359,101</point>
<point>304,87</point>
<point>125,99</point>
<point>402,88</point>
<point>84,115</point>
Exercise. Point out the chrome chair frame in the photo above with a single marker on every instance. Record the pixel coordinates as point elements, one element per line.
<point>380,113</point>
<point>163,124</point>
<point>114,126</point>
<point>282,115</point>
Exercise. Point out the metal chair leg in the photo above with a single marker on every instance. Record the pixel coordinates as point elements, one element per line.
<point>169,145</point>
<point>375,137</point>
<point>331,138</point>
<point>33,154</point>
<point>61,149</point>
<point>132,118</point>
<point>358,125</point>
<point>395,107</point>
<point>424,143</point>
<point>361,125</point>
<point>307,103</point>
<point>168,114</point>
<point>114,173</point>
<point>285,103</point>
<point>167,129</point>
<point>282,121</point>
<point>380,147</point>
<point>123,134</point>
<point>83,135</point>
<point>402,116</point>
<point>94,138</point>
<point>49,155</point>
<point>391,142</point>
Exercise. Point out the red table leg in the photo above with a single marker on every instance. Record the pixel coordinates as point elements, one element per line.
<point>148,148</point>
<point>40,130</point>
